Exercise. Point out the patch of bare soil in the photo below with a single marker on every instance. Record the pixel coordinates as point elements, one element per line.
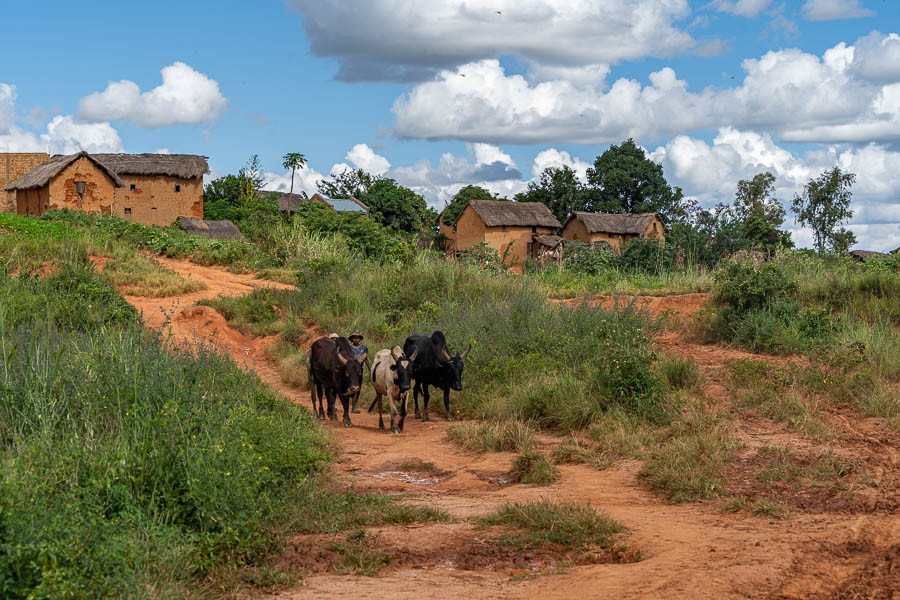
<point>687,551</point>
<point>680,305</point>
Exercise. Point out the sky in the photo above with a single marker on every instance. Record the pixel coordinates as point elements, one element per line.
<point>447,93</point>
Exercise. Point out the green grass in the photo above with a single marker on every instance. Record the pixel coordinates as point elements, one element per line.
<point>505,436</point>
<point>358,558</point>
<point>128,470</point>
<point>544,522</point>
<point>134,274</point>
<point>533,467</point>
<point>560,282</point>
<point>678,373</point>
<point>767,507</point>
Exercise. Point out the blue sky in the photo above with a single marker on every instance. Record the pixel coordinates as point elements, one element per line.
<point>446,93</point>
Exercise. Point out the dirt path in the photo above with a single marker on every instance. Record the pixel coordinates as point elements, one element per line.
<point>687,551</point>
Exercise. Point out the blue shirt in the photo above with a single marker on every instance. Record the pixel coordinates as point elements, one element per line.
<point>358,351</point>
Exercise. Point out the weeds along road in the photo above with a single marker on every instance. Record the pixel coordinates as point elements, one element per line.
<point>693,550</point>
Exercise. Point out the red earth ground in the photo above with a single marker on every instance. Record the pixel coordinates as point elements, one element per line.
<point>693,550</point>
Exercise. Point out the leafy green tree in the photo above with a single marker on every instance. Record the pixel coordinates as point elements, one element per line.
<point>824,206</point>
<point>624,180</point>
<point>347,183</point>
<point>560,189</point>
<point>395,206</point>
<point>760,213</point>
<point>237,199</point>
<point>463,197</point>
<point>293,161</point>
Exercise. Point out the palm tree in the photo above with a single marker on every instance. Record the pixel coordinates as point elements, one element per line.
<point>293,161</point>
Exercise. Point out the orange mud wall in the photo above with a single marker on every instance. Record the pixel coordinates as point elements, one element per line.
<point>471,231</point>
<point>99,190</point>
<point>577,232</point>
<point>155,201</point>
<point>12,166</point>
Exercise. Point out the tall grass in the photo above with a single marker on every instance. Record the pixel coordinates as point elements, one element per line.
<point>126,468</point>
<point>591,359</point>
<point>558,281</point>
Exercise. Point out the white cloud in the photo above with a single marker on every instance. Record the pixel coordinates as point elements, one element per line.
<point>710,172</point>
<point>827,10</point>
<point>64,134</point>
<point>363,157</point>
<point>842,96</point>
<point>408,40</point>
<point>305,180</point>
<point>185,97</point>
<point>551,157</point>
<point>742,8</point>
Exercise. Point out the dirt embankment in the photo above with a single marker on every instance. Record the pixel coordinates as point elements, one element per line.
<point>686,551</point>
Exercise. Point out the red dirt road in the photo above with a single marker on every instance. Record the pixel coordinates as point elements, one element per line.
<point>687,551</point>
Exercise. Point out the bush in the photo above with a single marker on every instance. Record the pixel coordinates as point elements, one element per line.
<point>589,259</point>
<point>533,467</point>
<point>646,255</point>
<point>744,286</point>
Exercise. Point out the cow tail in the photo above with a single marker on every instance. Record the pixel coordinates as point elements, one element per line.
<point>374,369</point>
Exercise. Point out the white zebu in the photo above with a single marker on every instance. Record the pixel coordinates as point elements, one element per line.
<point>391,373</point>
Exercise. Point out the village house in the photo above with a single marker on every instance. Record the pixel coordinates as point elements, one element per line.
<point>350,204</point>
<point>508,227</point>
<point>12,166</point>
<point>153,189</point>
<point>614,229</point>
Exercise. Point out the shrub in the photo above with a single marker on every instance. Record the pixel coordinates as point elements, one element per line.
<point>533,467</point>
<point>589,259</point>
<point>744,286</point>
<point>646,255</point>
<point>485,257</point>
<point>678,373</point>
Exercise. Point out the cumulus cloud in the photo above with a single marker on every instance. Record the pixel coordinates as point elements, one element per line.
<point>742,8</point>
<point>827,10</point>
<point>305,180</point>
<point>64,134</point>
<point>363,157</point>
<point>185,97</point>
<point>710,172</point>
<point>407,40</point>
<point>551,157</point>
<point>844,95</point>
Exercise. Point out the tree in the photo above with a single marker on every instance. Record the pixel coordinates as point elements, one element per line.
<point>236,197</point>
<point>293,161</point>
<point>624,180</point>
<point>760,213</point>
<point>824,206</point>
<point>347,183</point>
<point>395,206</point>
<point>459,201</point>
<point>560,189</point>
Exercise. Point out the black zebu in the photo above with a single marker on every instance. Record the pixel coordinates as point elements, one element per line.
<point>332,366</point>
<point>434,365</point>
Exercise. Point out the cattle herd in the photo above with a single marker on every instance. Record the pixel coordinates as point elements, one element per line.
<point>424,360</point>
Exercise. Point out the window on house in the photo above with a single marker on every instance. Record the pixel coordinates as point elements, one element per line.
<point>177,188</point>
<point>127,210</point>
<point>533,229</point>
<point>79,187</point>
<point>133,187</point>
<point>503,228</point>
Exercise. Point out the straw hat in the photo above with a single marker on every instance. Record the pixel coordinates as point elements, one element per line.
<point>355,334</point>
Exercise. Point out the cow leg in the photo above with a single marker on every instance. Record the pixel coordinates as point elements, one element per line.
<point>312,396</point>
<point>345,401</point>
<point>380,418</point>
<point>320,393</point>
<point>394,427</point>
<point>403,402</point>
<point>447,403</point>
<point>416,390</point>
<point>425,398</point>
<point>355,400</point>
<point>332,411</point>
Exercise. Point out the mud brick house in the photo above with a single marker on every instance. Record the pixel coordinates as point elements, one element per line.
<point>12,166</point>
<point>153,189</point>
<point>614,229</point>
<point>504,226</point>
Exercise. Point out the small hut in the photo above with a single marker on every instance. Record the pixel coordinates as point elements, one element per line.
<point>350,204</point>
<point>614,229</point>
<point>508,227</point>
<point>217,230</point>
<point>864,255</point>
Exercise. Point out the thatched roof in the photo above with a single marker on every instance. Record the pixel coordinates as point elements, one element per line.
<point>620,224</point>
<point>497,213</point>
<point>39,176</point>
<point>219,230</point>
<point>551,241</point>
<point>185,166</point>
<point>895,251</point>
<point>864,255</point>
<point>285,202</point>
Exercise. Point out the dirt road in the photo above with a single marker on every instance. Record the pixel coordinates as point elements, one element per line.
<point>686,551</point>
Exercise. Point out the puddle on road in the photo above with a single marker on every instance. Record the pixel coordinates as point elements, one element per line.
<point>411,478</point>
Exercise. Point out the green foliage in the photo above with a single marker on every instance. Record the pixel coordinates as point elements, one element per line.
<point>544,522</point>
<point>348,183</point>
<point>127,466</point>
<point>590,259</point>
<point>678,373</point>
<point>362,234</point>
<point>34,228</point>
<point>624,180</point>
<point>485,257</point>
<point>505,436</point>
<point>642,255</point>
<point>743,286</point>
<point>461,199</point>
<point>561,190</point>
<point>396,207</point>
<point>824,206</point>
